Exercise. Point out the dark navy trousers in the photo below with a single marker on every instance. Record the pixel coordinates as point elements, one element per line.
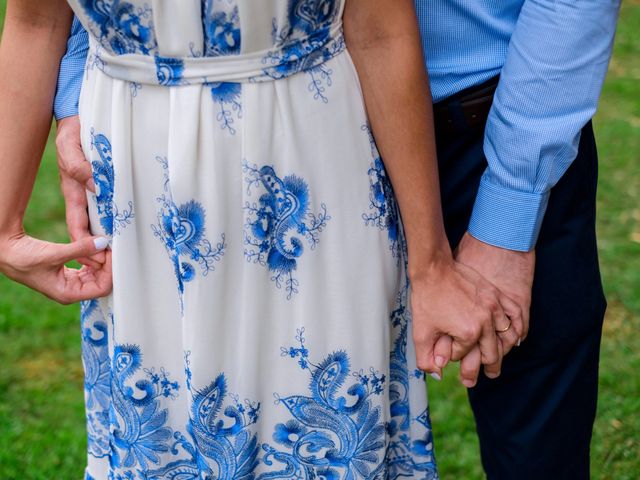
<point>535,421</point>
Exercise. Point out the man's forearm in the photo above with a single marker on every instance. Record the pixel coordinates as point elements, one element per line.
<point>548,91</point>
<point>33,42</point>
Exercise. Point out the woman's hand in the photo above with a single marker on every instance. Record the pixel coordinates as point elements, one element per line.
<point>41,265</point>
<point>33,42</point>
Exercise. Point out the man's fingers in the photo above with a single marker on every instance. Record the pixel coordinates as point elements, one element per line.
<point>442,354</point>
<point>514,322</point>
<point>470,367</point>
<point>72,160</point>
<point>526,316</point>
<point>490,345</point>
<point>489,341</point>
<point>493,370</point>
<point>75,200</point>
<point>89,262</point>
<point>80,170</point>
<point>85,247</point>
<point>71,157</point>
<point>425,359</point>
<point>77,216</point>
<point>86,283</point>
<point>513,310</point>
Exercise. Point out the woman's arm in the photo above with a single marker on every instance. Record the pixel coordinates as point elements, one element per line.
<point>447,298</point>
<point>33,42</point>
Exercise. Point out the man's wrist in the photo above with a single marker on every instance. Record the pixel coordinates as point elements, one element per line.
<point>507,218</point>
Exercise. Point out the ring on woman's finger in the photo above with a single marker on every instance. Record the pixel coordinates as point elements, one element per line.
<point>505,329</point>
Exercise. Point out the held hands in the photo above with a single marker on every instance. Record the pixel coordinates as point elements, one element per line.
<point>461,307</point>
<point>510,271</point>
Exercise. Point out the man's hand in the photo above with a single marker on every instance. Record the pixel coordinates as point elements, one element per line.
<point>455,310</point>
<point>510,271</point>
<point>75,178</point>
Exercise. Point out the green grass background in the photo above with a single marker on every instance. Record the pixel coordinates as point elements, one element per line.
<point>42,432</point>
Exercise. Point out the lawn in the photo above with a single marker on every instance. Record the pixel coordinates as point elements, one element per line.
<point>41,394</point>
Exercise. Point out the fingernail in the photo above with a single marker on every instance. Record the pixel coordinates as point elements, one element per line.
<point>519,342</point>
<point>436,376</point>
<point>469,383</point>
<point>440,361</point>
<point>492,376</point>
<point>101,243</point>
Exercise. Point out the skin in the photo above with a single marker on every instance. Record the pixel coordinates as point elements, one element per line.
<point>34,40</point>
<point>512,272</point>
<point>455,309</point>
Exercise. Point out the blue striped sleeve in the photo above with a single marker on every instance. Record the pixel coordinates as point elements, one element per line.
<point>71,73</point>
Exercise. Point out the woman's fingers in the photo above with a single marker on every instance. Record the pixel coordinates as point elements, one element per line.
<point>40,265</point>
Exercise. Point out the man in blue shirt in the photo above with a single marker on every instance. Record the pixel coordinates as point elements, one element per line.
<point>516,83</point>
<point>518,170</point>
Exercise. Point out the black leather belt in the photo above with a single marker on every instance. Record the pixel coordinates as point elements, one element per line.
<point>465,110</point>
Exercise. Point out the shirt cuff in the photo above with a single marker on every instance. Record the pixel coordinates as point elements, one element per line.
<point>507,218</point>
<point>65,111</point>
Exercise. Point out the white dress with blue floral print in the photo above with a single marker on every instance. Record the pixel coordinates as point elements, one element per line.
<point>259,324</point>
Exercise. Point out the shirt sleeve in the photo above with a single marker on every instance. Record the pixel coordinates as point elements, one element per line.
<point>548,91</point>
<point>71,72</point>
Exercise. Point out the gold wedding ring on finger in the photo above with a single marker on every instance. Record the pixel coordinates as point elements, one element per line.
<point>505,329</point>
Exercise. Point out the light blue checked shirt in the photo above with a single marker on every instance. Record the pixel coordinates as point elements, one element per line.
<point>552,56</point>
<point>71,72</point>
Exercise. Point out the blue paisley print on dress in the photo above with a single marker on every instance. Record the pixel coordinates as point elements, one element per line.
<point>169,71</point>
<point>406,458</point>
<point>382,201</point>
<point>121,27</point>
<point>227,96</point>
<point>139,435</point>
<point>156,410</point>
<point>220,444</point>
<point>229,450</point>
<point>112,219</point>
<point>97,383</point>
<point>304,43</point>
<point>221,21</point>
<point>181,228</point>
<point>329,436</point>
<point>278,225</point>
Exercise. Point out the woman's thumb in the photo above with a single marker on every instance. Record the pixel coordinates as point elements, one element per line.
<point>84,247</point>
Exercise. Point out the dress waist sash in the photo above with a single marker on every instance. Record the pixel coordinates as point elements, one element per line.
<point>274,64</point>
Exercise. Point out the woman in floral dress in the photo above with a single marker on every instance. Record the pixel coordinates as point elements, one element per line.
<point>259,323</point>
